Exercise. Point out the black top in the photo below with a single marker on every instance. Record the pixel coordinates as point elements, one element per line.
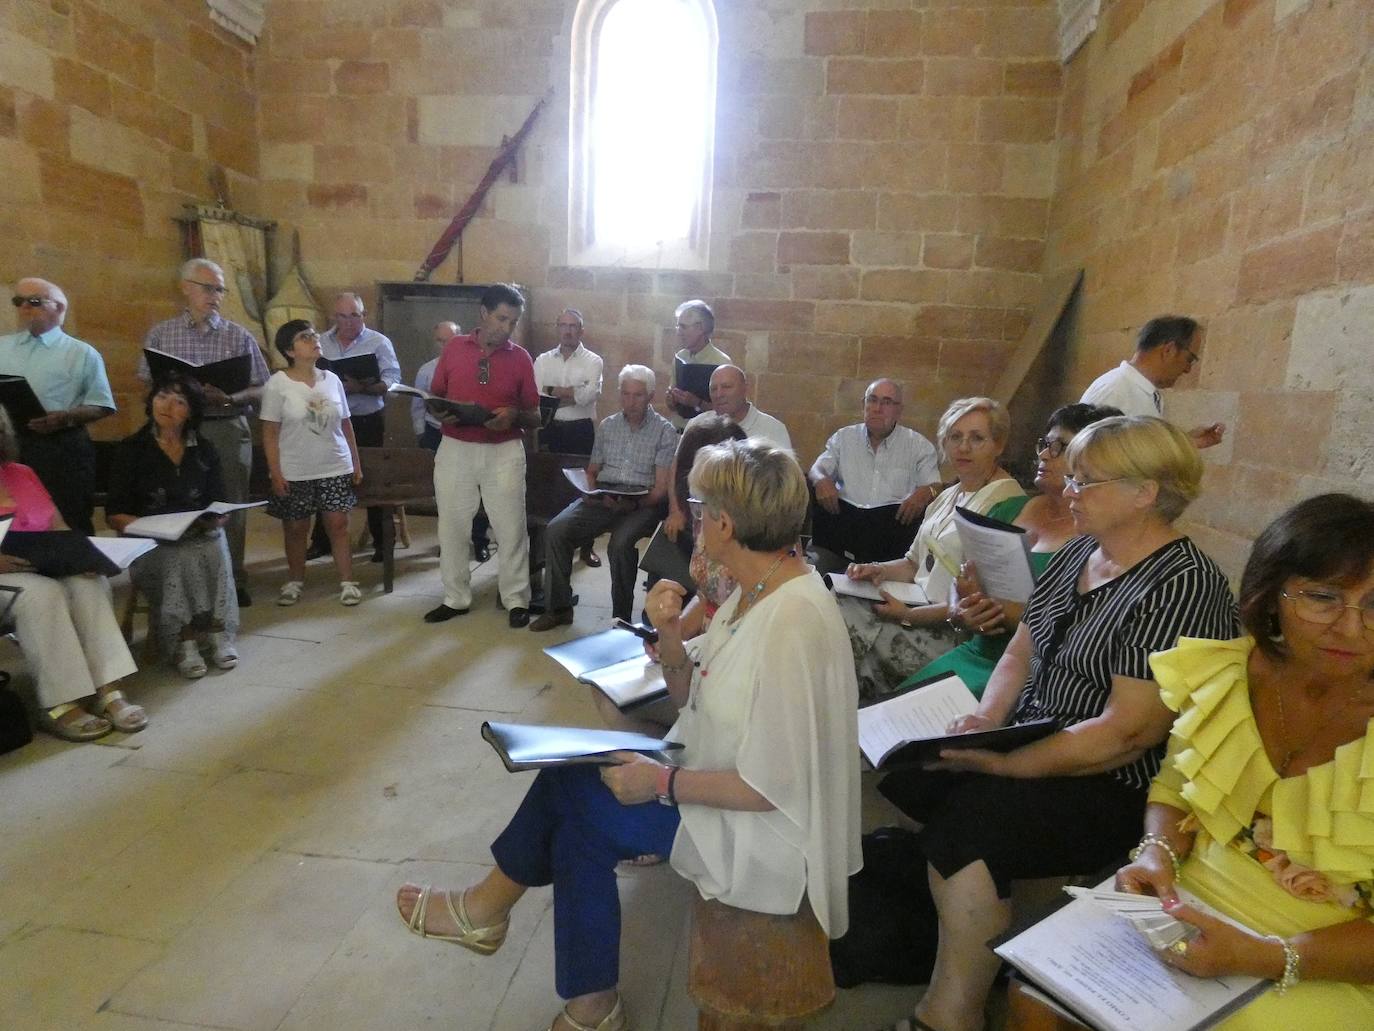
<point>144,481</point>
<point>1080,641</point>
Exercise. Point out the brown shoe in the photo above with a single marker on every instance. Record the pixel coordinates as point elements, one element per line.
<point>591,559</point>
<point>549,620</point>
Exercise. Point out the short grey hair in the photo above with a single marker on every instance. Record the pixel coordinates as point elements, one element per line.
<point>191,265</point>
<point>896,385</point>
<point>349,295</point>
<point>641,373</point>
<point>697,305</point>
<point>575,314</point>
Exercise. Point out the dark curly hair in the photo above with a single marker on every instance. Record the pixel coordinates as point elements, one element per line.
<point>188,387</point>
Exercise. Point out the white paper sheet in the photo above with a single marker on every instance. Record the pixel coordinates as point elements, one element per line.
<point>906,593</point>
<point>122,550</point>
<point>924,712</point>
<point>1004,569</point>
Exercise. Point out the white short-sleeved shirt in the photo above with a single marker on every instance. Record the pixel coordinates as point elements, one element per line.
<point>1126,388</point>
<point>759,424</point>
<point>312,442</point>
<point>775,701</point>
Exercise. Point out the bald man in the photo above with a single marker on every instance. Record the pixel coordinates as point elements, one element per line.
<point>730,398</point>
<point>68,376</point>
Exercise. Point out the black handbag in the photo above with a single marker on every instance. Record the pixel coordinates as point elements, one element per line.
<point>15,731</point>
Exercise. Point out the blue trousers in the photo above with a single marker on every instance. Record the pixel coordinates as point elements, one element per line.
<point>570,832</point>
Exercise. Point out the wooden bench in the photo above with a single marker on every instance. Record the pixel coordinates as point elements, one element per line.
<point>749,971</point>
<point>392,478</point>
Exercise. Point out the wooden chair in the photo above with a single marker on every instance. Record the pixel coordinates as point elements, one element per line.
<point>547,492</point>
<point>749,971</point>
<point>392,478</point>
<point>1027,1012</point>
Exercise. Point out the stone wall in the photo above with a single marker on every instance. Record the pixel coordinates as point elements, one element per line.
<point>1216,159</point>
<point>112,114</point>
<point>882,181</point>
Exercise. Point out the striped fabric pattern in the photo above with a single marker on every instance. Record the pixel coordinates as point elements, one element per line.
<point>1080,641</point>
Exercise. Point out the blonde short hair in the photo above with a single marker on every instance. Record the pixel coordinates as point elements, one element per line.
<point>1141,447</point>
<point>998,420</point>
<point>761,487</point>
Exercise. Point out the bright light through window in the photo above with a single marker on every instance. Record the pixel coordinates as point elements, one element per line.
<point>642,131</point>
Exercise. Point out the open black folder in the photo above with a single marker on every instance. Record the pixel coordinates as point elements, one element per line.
<point>19,400</point>
<point>523,747</point>
<point>61,553</point>
<point>228,374</point>
<point>695,379</point>
<point>361,367</point>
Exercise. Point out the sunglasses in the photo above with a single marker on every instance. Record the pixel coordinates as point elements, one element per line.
<point>29,302</point>
<point>483,371</point>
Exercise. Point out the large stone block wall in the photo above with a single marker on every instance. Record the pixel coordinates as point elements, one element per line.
<point>1216,158</point>
<point>112,114</point>
<point>882,181</point>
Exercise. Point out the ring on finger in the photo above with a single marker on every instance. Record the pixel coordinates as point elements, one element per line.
<point>1179,948</point>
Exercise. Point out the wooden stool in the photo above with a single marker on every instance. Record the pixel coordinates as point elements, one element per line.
<point>1027,1012</point>
<point>749,971</point>
<point>132,607</point>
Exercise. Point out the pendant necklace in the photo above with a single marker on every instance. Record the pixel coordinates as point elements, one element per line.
<point>744,607</point>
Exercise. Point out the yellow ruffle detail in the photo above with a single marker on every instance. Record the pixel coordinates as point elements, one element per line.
<point>1217,769</point>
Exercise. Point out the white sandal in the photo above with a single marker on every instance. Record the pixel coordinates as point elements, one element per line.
<point>616,1020</point>
<point>482,940</point>
<point>349,592</point>
<point>189,661</point>
<point>290,592</point>
<point>130,719</point>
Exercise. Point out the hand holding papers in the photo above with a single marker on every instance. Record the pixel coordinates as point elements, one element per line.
<point>578,478</point>
<point>614,663</point>
<point>1001,553</point>
<point>906,593</point>
<point>230,375</point>
<point>172,526</point>
<point>440,407</point>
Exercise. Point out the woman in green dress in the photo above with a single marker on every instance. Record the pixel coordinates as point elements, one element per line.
<point>1048,525</point>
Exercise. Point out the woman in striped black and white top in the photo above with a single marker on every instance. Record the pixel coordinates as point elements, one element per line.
<point>1071,802</point>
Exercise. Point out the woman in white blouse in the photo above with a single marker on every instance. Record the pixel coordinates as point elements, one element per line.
<point>890,639</point>
<point>763,813</point>
<point>307,438</point>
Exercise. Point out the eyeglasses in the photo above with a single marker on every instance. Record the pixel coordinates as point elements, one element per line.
<point>1325,607</point>
<point>881,402</point>
<point>1076,486</point>
<point>306,334</point>
<point>1193,357</point>
<point>348,314</point>
<point>696,507</point>
<point>1053,446</point>
<point>483,371</point>
<point>973,440</point>
<point>209,288</point>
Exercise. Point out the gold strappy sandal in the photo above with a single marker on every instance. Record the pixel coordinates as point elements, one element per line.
<point>482,940</point>
<point>616,1020</point>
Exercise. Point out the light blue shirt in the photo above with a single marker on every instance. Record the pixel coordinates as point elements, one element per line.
<point>369,341</point>
<point>63,371</point>
<point>869,477</point>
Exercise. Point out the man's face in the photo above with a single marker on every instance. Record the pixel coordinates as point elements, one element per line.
<point>1180,358</point>
<point>882,409</point>
<point>569,332</point>
<point>40,317</point>
<point>204,291</point>
<point>691,331</point>
<point>348,319</point>
<point>728,394</point>
<point>495,327</point>
<point>443,333</point>
<point>634,399</point>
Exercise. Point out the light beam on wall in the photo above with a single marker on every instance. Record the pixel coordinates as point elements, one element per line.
<point>244,18</point>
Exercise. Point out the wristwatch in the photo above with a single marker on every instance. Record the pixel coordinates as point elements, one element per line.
<point>663,786</point>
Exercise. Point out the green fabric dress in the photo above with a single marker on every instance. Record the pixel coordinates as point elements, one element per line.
<point>974,660</point>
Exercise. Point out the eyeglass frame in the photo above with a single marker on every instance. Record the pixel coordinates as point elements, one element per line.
<point>1076,487</point>
<point>1298,597</point>
<point>209,288</point>
<point>882,402</point>
<point>1056,446</point>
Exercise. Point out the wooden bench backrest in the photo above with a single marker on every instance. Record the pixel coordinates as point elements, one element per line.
<point>396,475</point>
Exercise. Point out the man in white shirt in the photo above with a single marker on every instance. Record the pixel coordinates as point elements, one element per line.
<point>695,324</point>
<point>572,374</point>
<point>730,398</point>
<point>348,338</point>
<point>873,464</point>
<point>1166,348</point>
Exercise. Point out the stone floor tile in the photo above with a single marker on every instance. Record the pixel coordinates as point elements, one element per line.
<point>53,978</point>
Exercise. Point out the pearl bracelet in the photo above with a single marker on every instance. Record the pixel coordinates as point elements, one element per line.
<point>1162,842</point>
<point>1290,964</point>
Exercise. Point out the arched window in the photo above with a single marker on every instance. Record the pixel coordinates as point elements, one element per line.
<point>642,132</point>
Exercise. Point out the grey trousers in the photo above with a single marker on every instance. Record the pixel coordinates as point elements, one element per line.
<point>581,523</point>
<point>233,442</point>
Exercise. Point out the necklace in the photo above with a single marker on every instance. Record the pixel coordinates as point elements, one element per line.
<point>1283,732</point>
<point>748,600</point>
<point>745,606</point>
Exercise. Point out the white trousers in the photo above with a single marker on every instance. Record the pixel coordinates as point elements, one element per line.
<point>466,474</point>
<point>69,635</point>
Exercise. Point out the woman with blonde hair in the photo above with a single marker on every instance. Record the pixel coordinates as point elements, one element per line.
<point>1071,802</point>
<point>763,811</point>
<point>891,640</point>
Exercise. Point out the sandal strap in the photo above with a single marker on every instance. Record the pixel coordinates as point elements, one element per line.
<point>58,711</point>
<point>608,1022</point>
<point>103,700</point>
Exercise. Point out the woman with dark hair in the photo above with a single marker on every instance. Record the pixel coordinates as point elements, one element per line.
<point>763,811</point>
<point>307,438</point>
<point>189,583</point>
<point>712,580</point>
<point>1048,525</point>
<point>1263,807</point>
<point>66,628</point>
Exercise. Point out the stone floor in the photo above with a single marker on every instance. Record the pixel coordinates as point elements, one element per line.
<point>234,865</point>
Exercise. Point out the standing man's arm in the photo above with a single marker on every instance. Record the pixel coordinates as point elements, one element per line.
<point>251,394</point>
<point>588,392</point>
<point>388,366</point>
<point>95,401</point>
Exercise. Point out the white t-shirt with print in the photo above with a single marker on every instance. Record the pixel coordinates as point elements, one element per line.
<point>313,446</point>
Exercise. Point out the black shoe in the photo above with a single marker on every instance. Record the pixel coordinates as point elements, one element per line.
<point>316,551</point>
<point>245,599</point>
<point>518,617</point>
<point>481,552</point>
<point>377,556</point>
<point>443,613</point>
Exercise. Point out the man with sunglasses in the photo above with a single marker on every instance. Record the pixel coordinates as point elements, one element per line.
<point>485,464</point>
<point>200,335</point>
<point>1166,348</point>
<point>68,377</point>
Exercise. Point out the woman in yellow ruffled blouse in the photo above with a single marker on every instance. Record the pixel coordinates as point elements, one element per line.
<point>1264,807</point>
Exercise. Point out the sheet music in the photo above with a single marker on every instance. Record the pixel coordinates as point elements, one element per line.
<point>122,551</point>
<point>635,680</point>
<point>924,712</point>
<point>1004,569</point>
<point>906,593</point>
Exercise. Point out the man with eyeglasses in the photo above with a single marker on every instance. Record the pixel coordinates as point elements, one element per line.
<point>485,464</point>
<point>873,465</point>
<point>201,335</point>
<point>1166,348</point>
<point>68,377</point>
<point>349,337</point>
<point>695,324</point>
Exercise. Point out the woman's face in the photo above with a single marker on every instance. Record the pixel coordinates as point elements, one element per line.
<point>170,410</point>
<point>305,345</point>
<point>1051,464</point>
<point>1338,648</point>
<point>1099,502</point>
<point>971,450</point>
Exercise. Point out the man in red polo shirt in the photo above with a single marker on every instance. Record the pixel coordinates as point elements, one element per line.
<point>485,463</point>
